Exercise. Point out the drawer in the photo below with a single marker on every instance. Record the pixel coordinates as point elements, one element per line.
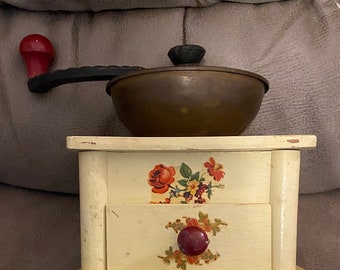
<point>229,177</point>
<point>144,237</point>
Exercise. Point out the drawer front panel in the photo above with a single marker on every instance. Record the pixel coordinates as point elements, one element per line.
<point>144,237</point>
<point>186,177</point>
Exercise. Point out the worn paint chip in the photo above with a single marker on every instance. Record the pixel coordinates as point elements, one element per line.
<point>93,143</point>
<point>293,140</point>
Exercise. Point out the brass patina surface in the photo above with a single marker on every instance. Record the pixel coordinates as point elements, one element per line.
<point>187,100</point>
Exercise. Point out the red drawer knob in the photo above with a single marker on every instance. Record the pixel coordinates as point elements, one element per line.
<point>192,241</point>
<point>38,53</point>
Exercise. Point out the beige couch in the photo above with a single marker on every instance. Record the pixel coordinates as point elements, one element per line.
<point>294,44</point>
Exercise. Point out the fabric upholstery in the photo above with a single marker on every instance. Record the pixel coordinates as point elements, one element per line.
<point>318,243</point>
<point>294,44</point>
<point>39,230</point>
<point>95,5</point>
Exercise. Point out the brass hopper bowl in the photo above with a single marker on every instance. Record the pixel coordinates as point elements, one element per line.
<point>187,99</point>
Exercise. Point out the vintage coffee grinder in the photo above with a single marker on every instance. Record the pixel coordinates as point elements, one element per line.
<point>186,192</point>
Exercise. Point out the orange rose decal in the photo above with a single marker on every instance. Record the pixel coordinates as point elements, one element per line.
<point>214,169</point>
<point>161,177</point>
<point>192,222</point>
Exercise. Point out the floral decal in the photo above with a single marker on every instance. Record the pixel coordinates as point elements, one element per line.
<point>207,256</point>
<point>182,260</point>
<point>191,187</point>
<point>214,170</point>
<point>161,177</point>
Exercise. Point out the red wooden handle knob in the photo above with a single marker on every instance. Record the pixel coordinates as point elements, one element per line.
<point>38,53</point>
<point>192,241</point>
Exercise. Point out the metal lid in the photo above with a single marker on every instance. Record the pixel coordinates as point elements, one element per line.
<point>186,58</point>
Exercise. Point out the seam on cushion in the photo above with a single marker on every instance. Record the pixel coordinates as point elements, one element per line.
<point>86,7</point>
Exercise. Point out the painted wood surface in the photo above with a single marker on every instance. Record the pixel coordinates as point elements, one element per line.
<point>284,202</point>
<point>93,199</point>
<point>222,143</point>
<point>256,170</point>
<point>245,179</point>
<point>137,237</point>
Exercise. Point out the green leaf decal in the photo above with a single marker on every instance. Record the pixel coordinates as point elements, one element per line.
<point>169,252</point>
<point>195,176</point>
<point>185,170</point>
<point>183,182</point>
<point>209,193</point>
<point>183,266</point>
<point>202,216</point>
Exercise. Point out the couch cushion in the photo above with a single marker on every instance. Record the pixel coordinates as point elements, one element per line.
<point>39,230</point>
<point>95,5</point>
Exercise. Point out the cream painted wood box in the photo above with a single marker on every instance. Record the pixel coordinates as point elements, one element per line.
<point>138,194</point>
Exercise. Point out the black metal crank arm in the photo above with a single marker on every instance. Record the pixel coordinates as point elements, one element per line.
<point>45,82</point>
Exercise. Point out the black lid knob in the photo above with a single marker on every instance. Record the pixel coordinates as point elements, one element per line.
<point>186,54</point>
